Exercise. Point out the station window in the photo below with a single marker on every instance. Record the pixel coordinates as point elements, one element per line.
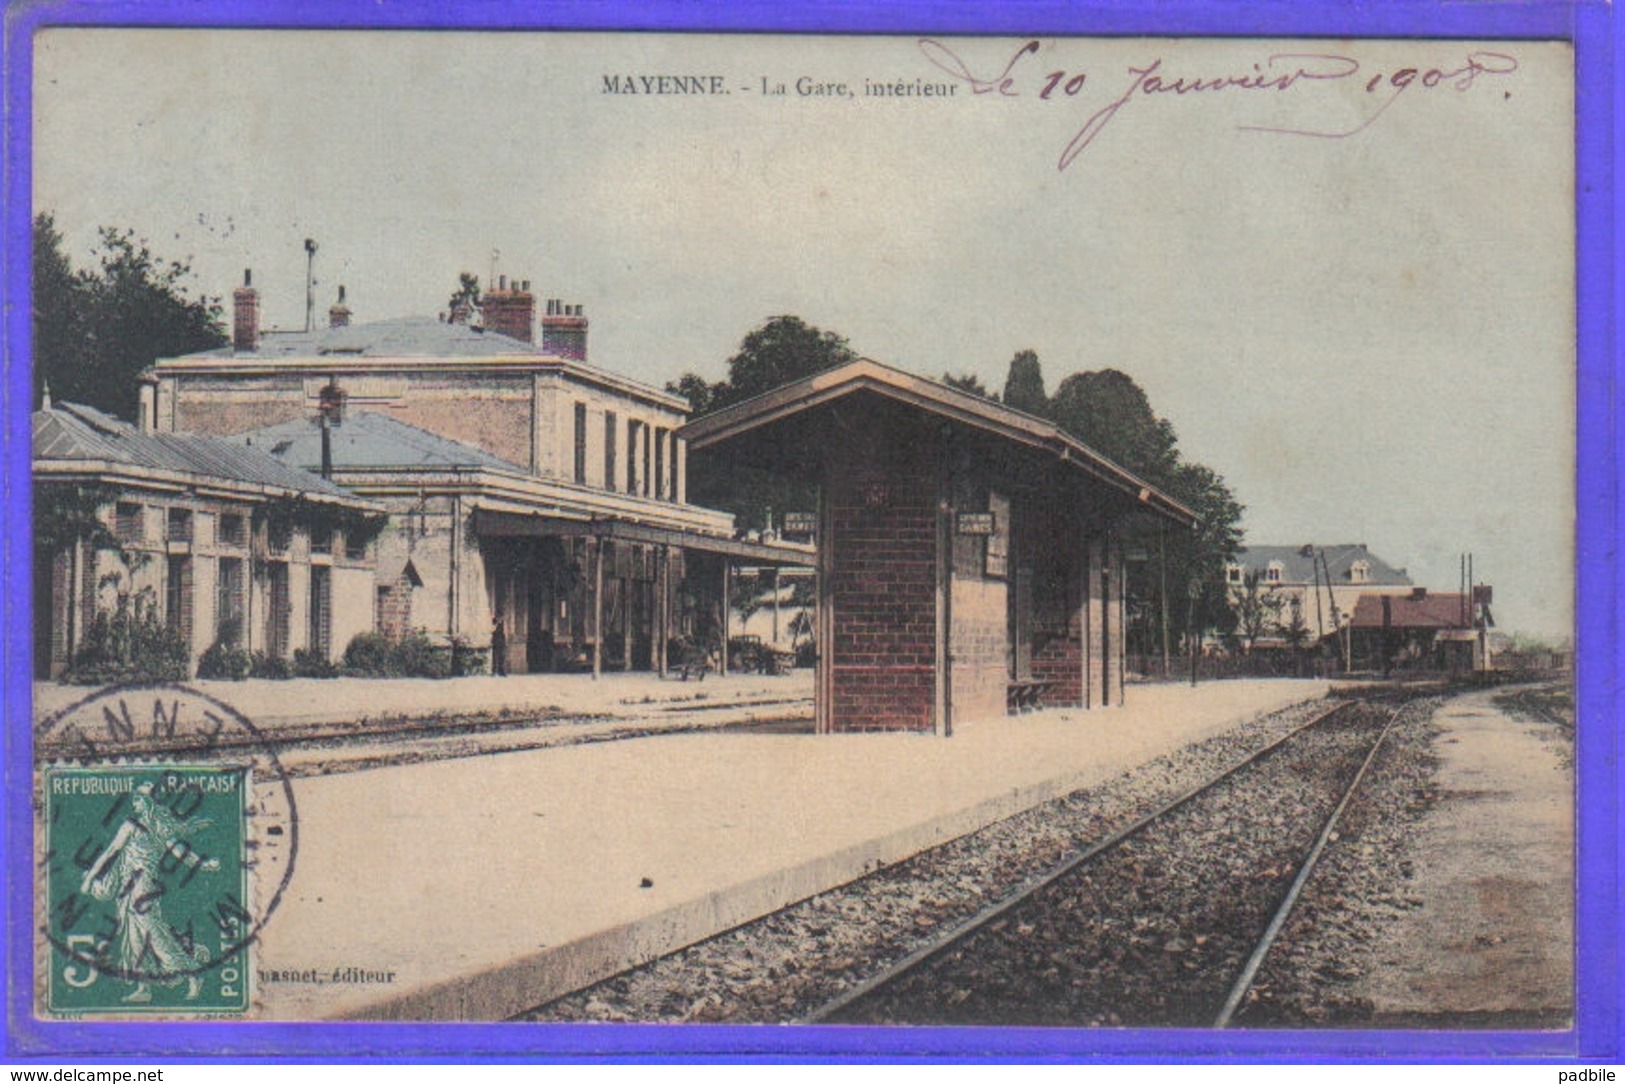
<point>228,608</point>
<point>633,428</point>
<point>127,522</point>
<point>1360,572</point>
<point>1232,574</point>
<point>581,444</point>
<point>278,533</point>
<point>660,462</point>
<point>180,524</point>
<point>609,449</point>
<point>231,529</point>
<point>1273,573</point>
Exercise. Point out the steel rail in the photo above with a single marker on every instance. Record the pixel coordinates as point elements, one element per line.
<point>946,939</point>
<point>1245,981</point>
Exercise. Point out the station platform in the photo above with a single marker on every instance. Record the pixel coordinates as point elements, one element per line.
<point>478,887</point>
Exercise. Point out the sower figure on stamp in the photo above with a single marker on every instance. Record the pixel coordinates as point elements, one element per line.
<point>499,647</point>
<point>146,948</point>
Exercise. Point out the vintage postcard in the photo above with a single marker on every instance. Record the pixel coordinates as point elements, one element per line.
<point>572,529</point>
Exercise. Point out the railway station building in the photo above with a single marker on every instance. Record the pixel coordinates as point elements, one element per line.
<point>969,556</point>
<point>537,503</point>
<point>226,544</point>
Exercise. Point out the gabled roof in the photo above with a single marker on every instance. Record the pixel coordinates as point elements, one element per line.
<point>1298,564</point>
<point>67,433</point>
<point>368,440</point>
<point>1408,612</point>
<point>930,396</point>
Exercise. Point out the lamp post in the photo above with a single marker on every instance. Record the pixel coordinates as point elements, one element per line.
<point>1193,591</point>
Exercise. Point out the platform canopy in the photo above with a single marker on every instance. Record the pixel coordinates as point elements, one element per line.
<point>762,429</point>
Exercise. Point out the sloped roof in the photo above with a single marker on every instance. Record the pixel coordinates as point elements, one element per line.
<point>1408,612</point>
<point>368,440</point>
<point>928,395</point>
<point>1297,563</point>
<point>69,432</point>
<point>407,337</point>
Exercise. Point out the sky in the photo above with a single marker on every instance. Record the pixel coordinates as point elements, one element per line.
<point>1342,270</point>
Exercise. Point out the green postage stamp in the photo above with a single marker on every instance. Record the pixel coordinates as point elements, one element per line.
<point>146,889</point>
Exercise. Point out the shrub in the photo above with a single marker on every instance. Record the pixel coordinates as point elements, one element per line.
<point>311,664</point>
<point>224,662</point>
<point>371,654</point>
<point>130,643</point>
<point>466,658</point>
<point>274,667</point>
<point>418,656</point>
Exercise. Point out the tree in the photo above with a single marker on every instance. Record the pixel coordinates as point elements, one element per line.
<point>782,350</point>
<point>1024,386</point>
<point>972,383</point>
<point>696,389</point>
<point>467,294</point>
<point>1202,554</point>
<point>96,331</point>
<point>1257,607</point>
<point>1109,412</point>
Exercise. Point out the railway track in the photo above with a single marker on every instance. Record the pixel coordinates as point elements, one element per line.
<point>1164,922</point>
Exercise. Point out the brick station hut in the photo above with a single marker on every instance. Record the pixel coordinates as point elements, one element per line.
<point>969,555</point>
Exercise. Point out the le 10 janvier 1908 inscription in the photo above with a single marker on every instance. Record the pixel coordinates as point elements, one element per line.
<point>1032,71</point>
<point>147,890</point>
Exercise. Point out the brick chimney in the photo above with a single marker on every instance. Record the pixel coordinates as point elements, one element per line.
<point>564,331</point>
<point>339,314</point>
<point>511,312</point>
<point>245,316</point>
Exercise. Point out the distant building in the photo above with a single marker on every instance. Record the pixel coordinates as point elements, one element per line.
<point>1423,631</point>
<point>1320,584</point>
<point>527,489</point>
<point>226,541</point>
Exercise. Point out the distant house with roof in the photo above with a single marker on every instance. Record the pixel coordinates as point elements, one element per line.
<point>1421,630</point>
<point>1320,584</point>
<point>224,540</point>
<point>527,490</point>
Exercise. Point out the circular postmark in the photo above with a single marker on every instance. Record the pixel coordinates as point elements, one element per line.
<point>167,835</point>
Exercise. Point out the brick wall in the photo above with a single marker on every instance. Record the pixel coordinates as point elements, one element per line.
<point>883,525</point>
<point>1057,617</point>
<point>395,609</point>
<point>501,426</point>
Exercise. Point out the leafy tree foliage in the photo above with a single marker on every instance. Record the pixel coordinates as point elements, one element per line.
<point>972,383</point>
<point>1107,411</point>
<point>696,389</point>
<point>782,350</point>
<point>467,294</point>
<point>1024,386</point>
<point>1257,607</point>
<point>96,330</point>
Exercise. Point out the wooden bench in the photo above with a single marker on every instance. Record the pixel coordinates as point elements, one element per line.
<point>1024,696</point>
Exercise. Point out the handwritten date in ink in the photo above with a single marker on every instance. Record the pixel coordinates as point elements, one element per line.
<point>1023,76</point>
